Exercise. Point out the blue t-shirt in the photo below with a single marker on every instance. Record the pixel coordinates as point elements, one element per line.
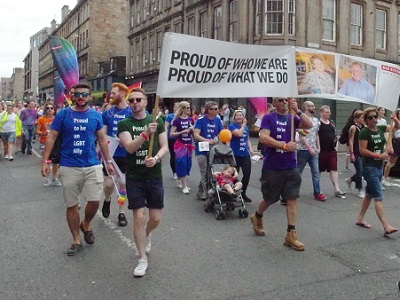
<point>279,127</point>
<point>209,129</point>
<point>239,145</point>
<point>169,119</point>
<point>182,124</point>
<point>78,130</point>
<point>111,117</point>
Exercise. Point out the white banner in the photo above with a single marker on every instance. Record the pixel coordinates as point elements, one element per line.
<point>194,67</point>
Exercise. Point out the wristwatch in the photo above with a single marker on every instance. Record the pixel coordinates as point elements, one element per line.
<point>157,157</point>
<point>109,161</point>
<point>299,113</point>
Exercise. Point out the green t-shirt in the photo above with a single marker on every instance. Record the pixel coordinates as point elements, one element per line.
<point>136,169</point>
<point>376,142</point>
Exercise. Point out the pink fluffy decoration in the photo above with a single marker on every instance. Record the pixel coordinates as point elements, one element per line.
<point>260,105</point>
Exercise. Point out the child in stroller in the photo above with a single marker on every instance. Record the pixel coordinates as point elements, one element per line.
<point>227,180</point>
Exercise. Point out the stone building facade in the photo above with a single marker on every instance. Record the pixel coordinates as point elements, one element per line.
<point>98,31</point>
<point>367,28</point>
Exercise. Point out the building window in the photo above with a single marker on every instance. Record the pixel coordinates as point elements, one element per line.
<point>233,21</point>
<point>398,31</point>
<point>380,29</point>
<point>178,27</point>
<point>160,6</point>
<point>133,14</point>
<point>356,23</point>
<point>159,43</point>
<point>257,24</point>
<point>152,58</point>
<point>137,51</point>
<point>168,4</point>
<point>292,17</point>
<point>191,26</point>
<point>203,24</point>
<point>144,52</point>
<point>329,20</point>
<point>152,7</point>
<point>145,9</point>
<point>274,17</point>
<point>217,22</point>
<point>137,11</point>
<point>132,57</point>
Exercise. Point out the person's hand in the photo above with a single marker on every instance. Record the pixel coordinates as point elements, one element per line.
<point>45,170</point>
<point>244,122</point>
<point>151,128</point>
<point>384,156</point>
<point>312,152</point>
<point>291,146</point>
<point>293,105</point>
<point>150,161</point>
<point>389,149</point>
<point>352,157</point>
<point>110,169</point>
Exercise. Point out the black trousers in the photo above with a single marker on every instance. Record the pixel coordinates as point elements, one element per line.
<point>244,163</point>
<point>172,154</point>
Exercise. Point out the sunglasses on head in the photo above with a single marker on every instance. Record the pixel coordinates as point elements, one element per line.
<point>132,100</point>
<point>372,117</point>
<point>84,94</point>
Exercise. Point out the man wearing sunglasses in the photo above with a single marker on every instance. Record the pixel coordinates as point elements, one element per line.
<point>144,184</point>
<point>80,169</point>
<point>280,176</point>
<point>119,111</point>
<point>206,129</point>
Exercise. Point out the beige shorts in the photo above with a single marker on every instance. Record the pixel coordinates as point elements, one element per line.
<point>87,181</point>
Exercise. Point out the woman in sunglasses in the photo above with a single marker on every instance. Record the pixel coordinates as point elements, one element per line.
<point>371,143</point>
<point>42,130</point>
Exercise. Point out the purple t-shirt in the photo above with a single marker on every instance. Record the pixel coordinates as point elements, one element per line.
<point>28,116</point>
<point>279,127</point>
<point>182,124</point>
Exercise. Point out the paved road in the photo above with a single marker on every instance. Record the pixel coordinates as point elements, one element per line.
<point>194,256</point>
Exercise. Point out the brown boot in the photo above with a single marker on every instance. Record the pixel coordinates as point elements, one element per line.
<point>292,241</point>
<point>257,225</point>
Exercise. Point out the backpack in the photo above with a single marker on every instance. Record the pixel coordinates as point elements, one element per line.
<point>344,136</point>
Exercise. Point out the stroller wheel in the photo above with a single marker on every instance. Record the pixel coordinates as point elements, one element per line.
<point>220,215</point>
<point>245,213</point>
<point>207,207</point>
<point>240,213</point>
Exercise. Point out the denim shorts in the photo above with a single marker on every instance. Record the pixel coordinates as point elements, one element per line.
<point>373,177</point>
<point>8,137</point>
<point>280,183</point>
<point>145,193</point>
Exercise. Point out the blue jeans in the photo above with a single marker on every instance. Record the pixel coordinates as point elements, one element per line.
<point>304,157</point>
<point>373,177</point>
<point>29,131</point>
<point>357,178</point>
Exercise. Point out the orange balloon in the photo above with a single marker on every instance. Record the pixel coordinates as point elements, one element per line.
<point>225,135</point>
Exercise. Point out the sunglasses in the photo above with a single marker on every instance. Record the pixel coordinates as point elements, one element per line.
<point>84,94</point>
<point>282,100</point>
<point>132,100</point>
<point>372,117</point>
<point>187,107</point>
<point>213,108</point>
<point>49,107</point>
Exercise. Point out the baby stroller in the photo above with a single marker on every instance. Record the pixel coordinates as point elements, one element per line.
<point>218,200</point>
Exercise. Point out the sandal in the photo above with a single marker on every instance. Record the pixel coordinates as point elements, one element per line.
<point>88,235</point>
<point>74,249</point>
<point>363,224</point>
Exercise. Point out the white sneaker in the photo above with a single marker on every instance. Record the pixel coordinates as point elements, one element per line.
<point>46,181</point>
<point>11,158</point>
<point>141,268</point>
<point>56,182</point>
<point>185,190</point>
<point>6,156</point>
<point>148,246</point>
<point>361,194</point>
<point>174,176</point>
<point>348,181</point>
<point>178,183</point>
<point>386,183</point>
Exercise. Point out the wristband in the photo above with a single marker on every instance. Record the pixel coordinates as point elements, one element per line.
<point>376,155</point>
<point>299,113</point>
<point>109,161</point>
<point>308,147</point>
<point>144,136</point>
<point>46,162</point>
<point>284,147</point>
<point>157,157</point>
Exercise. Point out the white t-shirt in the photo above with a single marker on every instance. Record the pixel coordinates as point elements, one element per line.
<point>9,124</point>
